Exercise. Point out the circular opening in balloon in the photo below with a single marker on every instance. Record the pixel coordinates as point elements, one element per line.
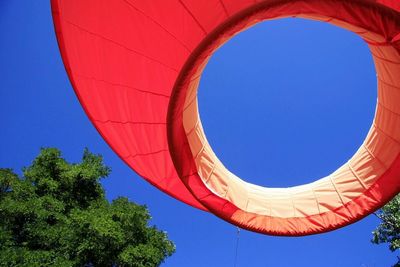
<point>353,190</point>
<point>289,98</point>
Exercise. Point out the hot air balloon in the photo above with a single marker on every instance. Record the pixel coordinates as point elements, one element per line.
<point>136,65</point>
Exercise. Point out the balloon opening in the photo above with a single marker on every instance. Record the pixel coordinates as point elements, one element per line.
<point>293,96</point>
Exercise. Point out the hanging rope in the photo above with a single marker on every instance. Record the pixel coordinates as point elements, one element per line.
<point>237,245</point>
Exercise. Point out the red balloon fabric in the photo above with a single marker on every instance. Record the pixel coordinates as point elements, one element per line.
<point>135,66</point>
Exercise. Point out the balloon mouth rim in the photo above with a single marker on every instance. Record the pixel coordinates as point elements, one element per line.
<point>180,147</point>
<point>188,99</point>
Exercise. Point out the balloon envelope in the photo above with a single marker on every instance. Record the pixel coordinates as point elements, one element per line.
<point>135,66</point>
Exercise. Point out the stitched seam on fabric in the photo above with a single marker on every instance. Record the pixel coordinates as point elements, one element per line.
<point>226,203</point>
<point>293,206</point>
<point>388,84</point>
<point>201,150</point>
<point>384,59</point>
<point>386,134</point>
<point>372,155</point>
<point>190,103</point>
<point>331,19</point>
<point>193,128</point>
<point>316,199</point>
<point>300,15</point>
<point>356,175</point>
<point>378,43</point>
<point>247,203</point>
<point>209,194</point>
<point>120,85</point>
<point>158,24</point>
<point>337,191</point>
<point>340,196</point>
<point>190,174</point>
<point>388,109</point>
<point>195,77</point>
<point>224,7</point>
<point>129,122</point>
<point>193,17</point>
<point>120,45</point>
<point>226,193</point>
<point>145,154</point>
<point>211,173</point>
<point>361,33</point>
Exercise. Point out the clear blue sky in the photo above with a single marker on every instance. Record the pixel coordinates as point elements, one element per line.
<point>283,103</point>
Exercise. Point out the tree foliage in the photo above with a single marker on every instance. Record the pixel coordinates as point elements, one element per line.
<point>388,231</point>
<point>57,215</point>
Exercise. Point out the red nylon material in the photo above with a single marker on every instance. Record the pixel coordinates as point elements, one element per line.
<point>123,58</point>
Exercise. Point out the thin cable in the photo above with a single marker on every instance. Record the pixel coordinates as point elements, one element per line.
<point>237,245</point>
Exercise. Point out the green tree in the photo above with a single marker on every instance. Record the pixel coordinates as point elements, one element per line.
<point>57,215</point>
<point>388,231</point>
